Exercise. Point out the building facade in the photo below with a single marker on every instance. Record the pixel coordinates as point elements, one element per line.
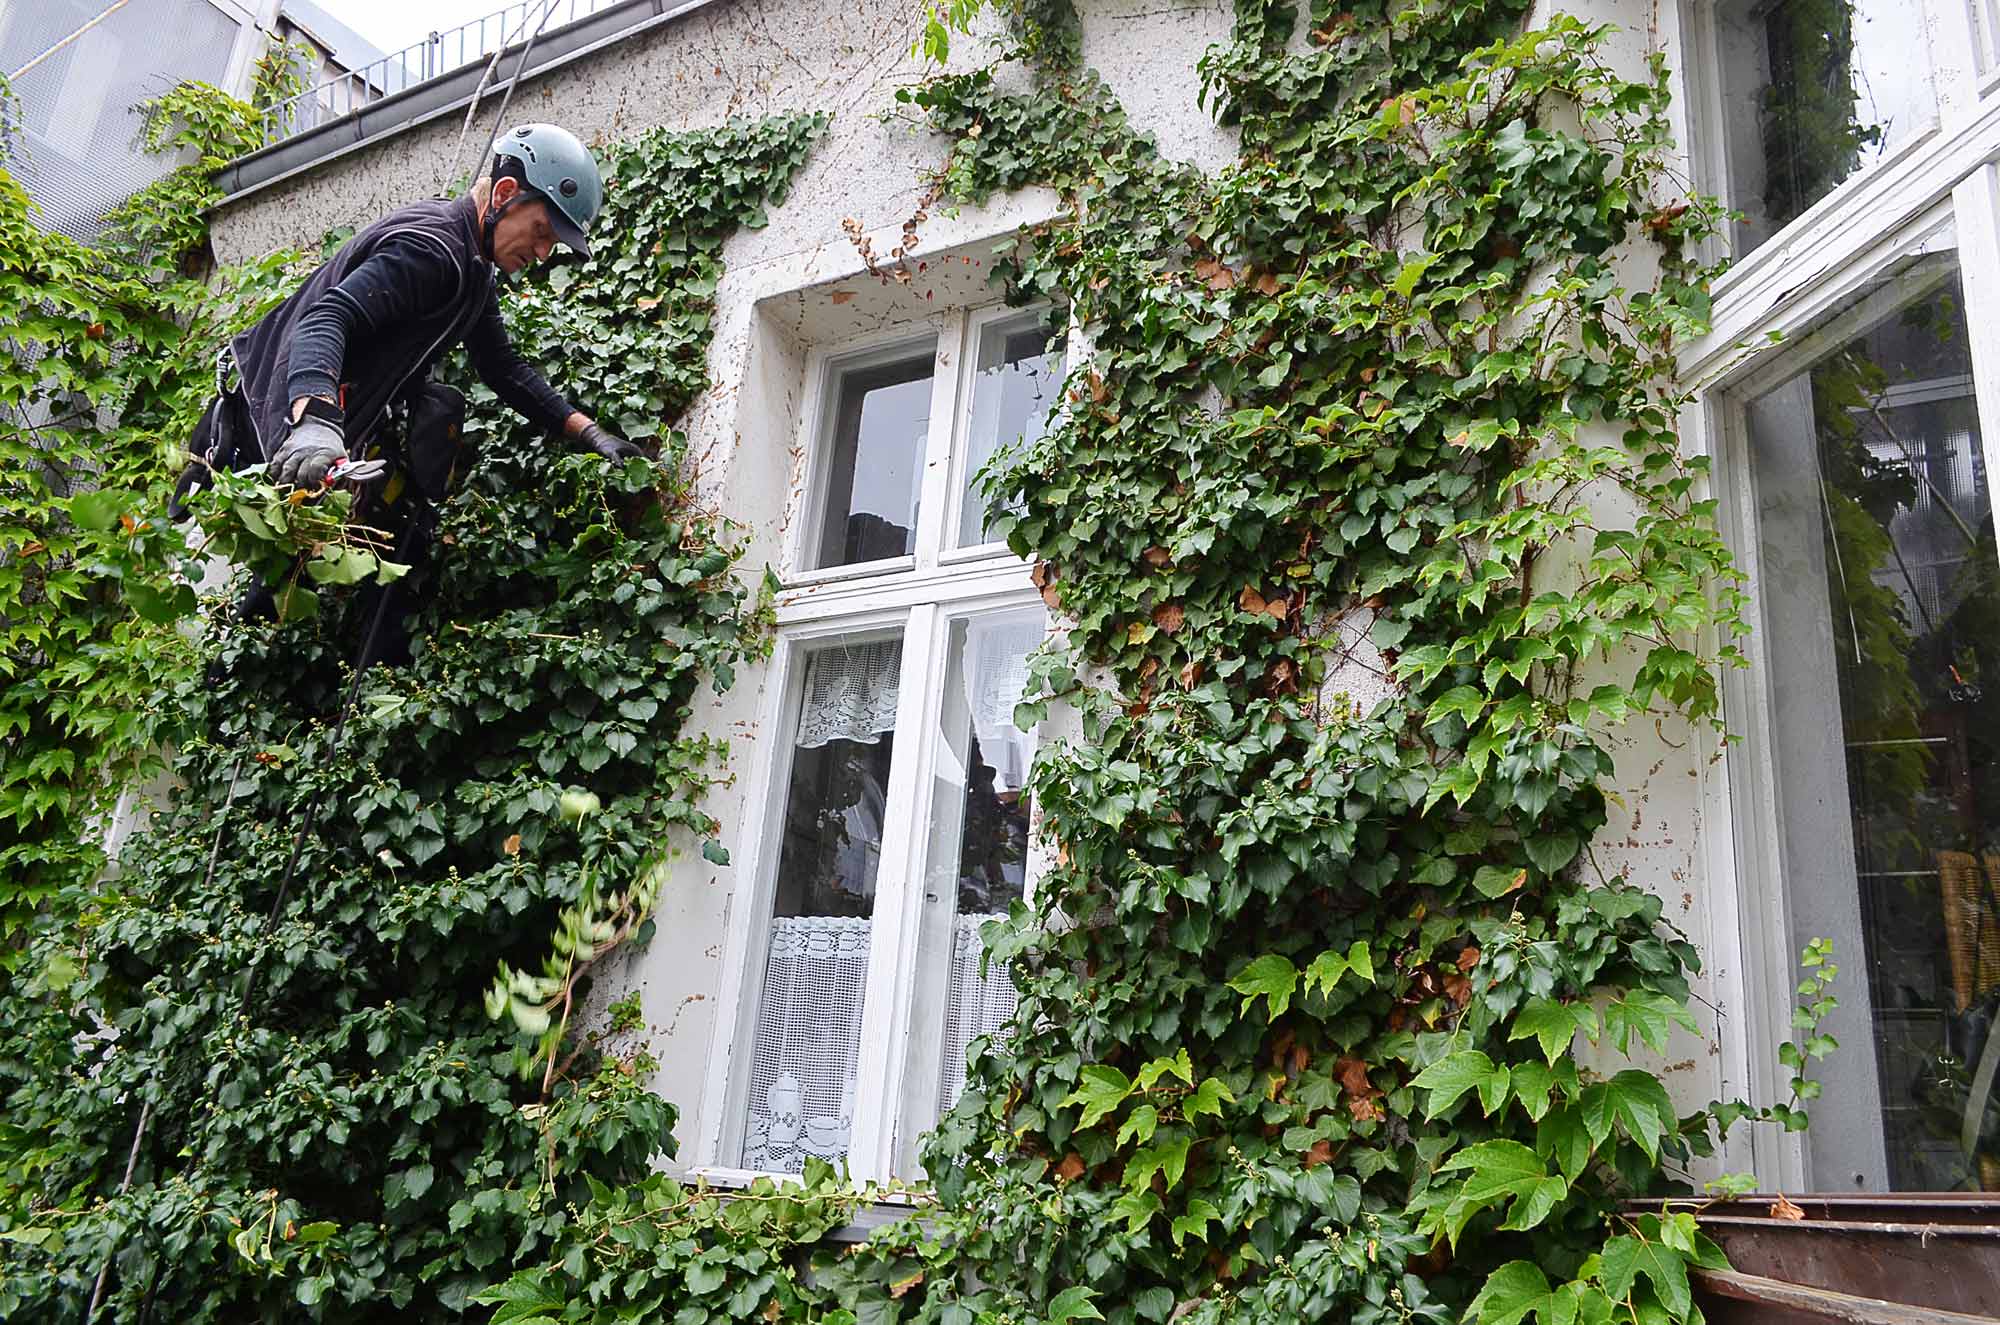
<point>815,996</point>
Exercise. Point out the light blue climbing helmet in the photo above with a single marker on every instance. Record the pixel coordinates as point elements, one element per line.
<point>558,168</point>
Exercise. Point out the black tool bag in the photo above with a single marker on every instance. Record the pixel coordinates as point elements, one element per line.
<point>436,427</point>
<point>224,439</point>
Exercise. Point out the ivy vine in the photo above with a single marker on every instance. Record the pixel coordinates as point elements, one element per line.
<point>1301,995</point>
<point>1300,999</point>
<point>333,1127</point>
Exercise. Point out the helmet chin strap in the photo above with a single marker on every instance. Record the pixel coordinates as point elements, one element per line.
<point>492,219</point>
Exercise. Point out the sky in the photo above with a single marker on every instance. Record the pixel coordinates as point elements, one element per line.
<point>394,24</point>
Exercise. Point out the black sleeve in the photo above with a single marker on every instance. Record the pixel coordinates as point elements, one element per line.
<point>405,278</point>
<point>524,390</point>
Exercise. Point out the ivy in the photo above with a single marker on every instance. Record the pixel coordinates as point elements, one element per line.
<point>333,1129</point>
<point>1300,998</point>
<point>1387,408</point>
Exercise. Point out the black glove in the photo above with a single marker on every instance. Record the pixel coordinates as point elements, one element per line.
<point>314,446</point>
<point>607,444</point>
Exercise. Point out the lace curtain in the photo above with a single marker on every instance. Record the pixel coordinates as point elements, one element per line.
<point>808,1038</point>
<point>851,693</point>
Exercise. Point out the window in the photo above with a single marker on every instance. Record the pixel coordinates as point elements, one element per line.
<point>1882,595</point>
<point>896,822</point>
<point>1854,455</point>
<point>1814,93</point>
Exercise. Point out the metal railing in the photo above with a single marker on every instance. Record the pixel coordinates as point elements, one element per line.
<point>439,53</point>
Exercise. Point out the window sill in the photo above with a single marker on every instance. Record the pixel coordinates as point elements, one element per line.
<point>886,1208</point>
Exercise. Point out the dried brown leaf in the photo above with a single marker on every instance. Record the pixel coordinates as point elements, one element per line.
<point>1170,617</point>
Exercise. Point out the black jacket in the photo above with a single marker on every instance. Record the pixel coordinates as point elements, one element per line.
<point>378,316</point>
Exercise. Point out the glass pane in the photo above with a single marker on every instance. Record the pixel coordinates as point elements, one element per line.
<point>1881,607</point>
<point>808,1030</point>
<point>1815,92</point>
<point>977,858</point>
<point>881,416</point>
<point>1016,378</point>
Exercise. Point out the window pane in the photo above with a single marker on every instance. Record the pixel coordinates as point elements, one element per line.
<point>881,416</point>
<point>1814,93</point>
<point>1881,607</point>
<point>1016,378</point>
<point>976,861</point>
<point>808,1031</point>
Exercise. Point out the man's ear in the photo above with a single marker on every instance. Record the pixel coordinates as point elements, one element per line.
<point>505,188</point>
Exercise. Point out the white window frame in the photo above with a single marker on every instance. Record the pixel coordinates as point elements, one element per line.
<point>919,595</point>
<point>1777,293</point>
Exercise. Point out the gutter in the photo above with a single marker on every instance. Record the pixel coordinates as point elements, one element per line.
<point>451,92</point>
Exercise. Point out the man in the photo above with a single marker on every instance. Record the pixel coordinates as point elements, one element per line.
<point>325,374</point>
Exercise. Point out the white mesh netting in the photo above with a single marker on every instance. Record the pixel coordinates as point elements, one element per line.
<point>808,1035</point>
<point>851,693</point>
<point>974,1005</point>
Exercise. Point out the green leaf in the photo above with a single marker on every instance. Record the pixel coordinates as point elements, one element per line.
<point>1329,966</point>
<point>1451,1077</point>
<point>1168,1158</point>
<point>1073,1303</point>
<point>1503,1170</point>
<point>1272,977</point>
<point>1650,1015</point>
<point>1551,851</point>
<point>1519,1290</point>
<point>1209,1097</point>
<point>1100,1089</point>
<point>318,1231</point>
<point>1633,1100</point>
<point>1140,1126</point>
<point>1626,1258</point>
<point>99,511</point>
<point>1553,1025</point>
<point>1179,1065</point>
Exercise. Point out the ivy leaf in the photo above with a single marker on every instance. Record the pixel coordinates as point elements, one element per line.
<point>1551,851</point>
<point>1101,1089</point>
<point>1465,701</point>
<point>1553,1025</point>
<point>1625,1258</point>
<point>524,1297</point>
<point>1519,1290</point>
<point>1272,977</point>
<point>1179,1065</point>
<point>1633,1100</point>
<point>99,511</point>
<point>1329,966</point>
<point>1209,1097</point>
<point>1073,1303</point>
<point>1168,1159</point>
<point>1493,881</point>
<point>1200,1214</point>
<point>1651,1015</point>
<point>1140,1126</point>
<point>1451,1077</point>
<point>1503,1170</point>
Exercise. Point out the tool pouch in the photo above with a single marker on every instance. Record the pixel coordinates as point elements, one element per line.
<point>437,425</point>
<point>224,440</point>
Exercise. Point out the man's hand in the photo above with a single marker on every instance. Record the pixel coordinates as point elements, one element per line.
<point>607,444</point>
<point>313,448</point>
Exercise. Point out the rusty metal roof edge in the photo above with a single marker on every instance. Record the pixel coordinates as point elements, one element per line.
<point>401,111</point>
<point>1825,1304</point>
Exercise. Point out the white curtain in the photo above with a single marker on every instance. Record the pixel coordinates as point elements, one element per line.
<point>996,675</point>
<point>851,693</point>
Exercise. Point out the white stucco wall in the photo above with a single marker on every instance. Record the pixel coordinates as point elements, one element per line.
<point>798,284</point>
